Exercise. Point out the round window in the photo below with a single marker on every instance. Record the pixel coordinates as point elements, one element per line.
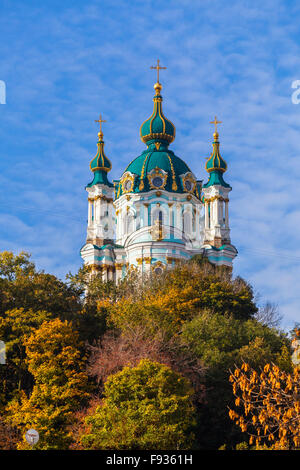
<point>188,185</point>
<point>158,270</point>
<point>157,181</point>
<point>128,185</point>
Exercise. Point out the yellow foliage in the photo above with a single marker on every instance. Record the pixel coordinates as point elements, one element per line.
<point>270,405</point>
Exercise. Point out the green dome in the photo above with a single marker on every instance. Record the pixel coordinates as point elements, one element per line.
<point>157,168</point>
<point>100,165</point>
<point>216,165</point>
<point>157,126</point>
<point>156,161</point>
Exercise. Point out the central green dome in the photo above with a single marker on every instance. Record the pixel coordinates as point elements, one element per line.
<point>160,158</point>
<point>157,126</point>
<point>157,167</point>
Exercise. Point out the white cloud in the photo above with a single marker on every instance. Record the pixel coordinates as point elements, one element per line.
<point>65,65</point>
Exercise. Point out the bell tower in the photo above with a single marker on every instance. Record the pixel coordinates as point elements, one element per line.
<point>216,190</point>
<point>100,230</point>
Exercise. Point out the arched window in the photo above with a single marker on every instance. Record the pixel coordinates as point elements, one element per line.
<point>157,215</point>
<point>186,225</point>
<point>129,223</point>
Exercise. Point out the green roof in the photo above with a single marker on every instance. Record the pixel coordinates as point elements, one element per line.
<point>157,126</point>
<point>153,158</point>
<point>216,166</point>
<point>157,132</point>
<point>100,165</point>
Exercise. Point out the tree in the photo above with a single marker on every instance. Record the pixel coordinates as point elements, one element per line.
<point>145,407</point>
<point>221,341</point>
<point>269,315</point>
<point>114,351</point>
<point>9,436</point>
<point>61,387</point>
<point>269,405</point>
<point>22,286</point>
<point>15,326</point>
<point>177,296</point>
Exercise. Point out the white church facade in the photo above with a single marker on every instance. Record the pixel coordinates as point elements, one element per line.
<point>158,213</point>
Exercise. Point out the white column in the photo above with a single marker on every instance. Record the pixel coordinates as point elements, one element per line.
<point>206,218</point>
<point>216,211</point>
<point>226,214</point>
<point>95,212</point>
<point>221,213</point>
<point>211,214</point>
<point>90,212</point>
<point>145,215</point>
<point>178,221</point>
<point>110,220</point>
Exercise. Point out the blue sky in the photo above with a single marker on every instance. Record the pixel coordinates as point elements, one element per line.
<point>65,62</point>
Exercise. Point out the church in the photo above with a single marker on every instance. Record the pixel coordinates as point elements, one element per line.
<point>158,213</point>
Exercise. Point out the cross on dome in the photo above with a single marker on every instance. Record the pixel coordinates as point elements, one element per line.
<point>157,67</point>
<point>215,122</point>
<point>100,120</point>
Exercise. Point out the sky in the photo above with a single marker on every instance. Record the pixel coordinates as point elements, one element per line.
<point>64,63</point>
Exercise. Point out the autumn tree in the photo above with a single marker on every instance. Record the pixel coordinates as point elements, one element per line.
<point>144,407</point>
<point>115,351</point>
<point>177,296</point>
<point>221,341</point>
<point>15,326</point>
<point>60,386</point>
<point>23,286</point>
<point>267,405</point>
<point>9,436</point>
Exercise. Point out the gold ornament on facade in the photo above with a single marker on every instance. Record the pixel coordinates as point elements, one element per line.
<point>119,266</point>
<point>158,268</point>
<point>174,185</point>
<point>157,231</point>
<point>189,183</point>
<point>157,178</point>
<point>127,183</point>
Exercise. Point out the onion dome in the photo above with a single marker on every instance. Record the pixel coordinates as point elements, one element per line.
<point>157,127</point>
<point>157,168</point>
<point>100,165</point>
<point>216,165</point>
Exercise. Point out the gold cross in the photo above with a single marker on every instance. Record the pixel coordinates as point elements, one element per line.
<point>100,120</point>
<point>215,122</point>
<point>158,68</point>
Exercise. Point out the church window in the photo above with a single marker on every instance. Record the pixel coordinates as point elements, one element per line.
<point>128,185</point>
<point>188,185</point>
<point>130,223</point>
<point>157,181</point>
<point>186,223</point>
<point>157,178</point>
<point>157,216</point>
<point>158,270</point>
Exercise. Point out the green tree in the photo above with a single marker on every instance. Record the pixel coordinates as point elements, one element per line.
<point>61,386</point>
<point>179,295</point>
<point>145,407</point>
<point>15,326</point>
<point>22,286</point>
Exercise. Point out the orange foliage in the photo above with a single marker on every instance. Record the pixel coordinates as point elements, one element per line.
<point>269,405</point>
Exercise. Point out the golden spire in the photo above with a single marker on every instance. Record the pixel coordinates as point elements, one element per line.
<point>157,85</point>
<point>100,133</point>
<point>216,122</point>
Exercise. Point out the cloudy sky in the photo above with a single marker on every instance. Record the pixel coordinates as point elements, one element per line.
<point>65,62</point>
